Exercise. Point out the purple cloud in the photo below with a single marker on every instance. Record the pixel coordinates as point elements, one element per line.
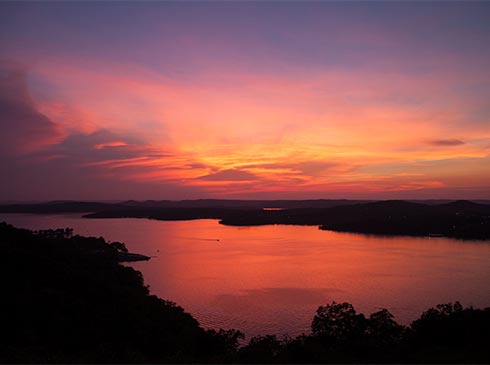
<point>23,128</point>
<point>446,142</point>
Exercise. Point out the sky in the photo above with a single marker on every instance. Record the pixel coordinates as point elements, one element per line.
<point>244,100</point>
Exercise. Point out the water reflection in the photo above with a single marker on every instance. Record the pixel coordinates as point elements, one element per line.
<point>271,279</point>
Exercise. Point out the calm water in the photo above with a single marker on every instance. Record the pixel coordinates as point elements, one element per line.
<point>271,279</point>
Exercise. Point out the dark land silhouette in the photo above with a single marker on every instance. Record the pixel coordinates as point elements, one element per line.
<point>457,219</point>
<point>67,299</point>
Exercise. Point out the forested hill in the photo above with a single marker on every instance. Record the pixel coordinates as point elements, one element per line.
<point>459,219</point>
<point>68,300</point>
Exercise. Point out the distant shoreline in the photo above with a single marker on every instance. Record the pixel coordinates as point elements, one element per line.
<point>456,219</point>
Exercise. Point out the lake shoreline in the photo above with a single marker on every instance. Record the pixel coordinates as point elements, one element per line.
<point>458,219</point>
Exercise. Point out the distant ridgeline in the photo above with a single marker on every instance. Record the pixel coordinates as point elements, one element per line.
<point>67,299</point>
<point>457,219</point>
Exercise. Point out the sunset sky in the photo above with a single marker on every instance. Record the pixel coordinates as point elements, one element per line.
<point>247,100</point>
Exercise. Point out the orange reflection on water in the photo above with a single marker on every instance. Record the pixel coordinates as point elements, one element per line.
<point>271,279</point>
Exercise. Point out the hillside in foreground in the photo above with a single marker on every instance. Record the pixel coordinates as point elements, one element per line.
<point>68,299</point>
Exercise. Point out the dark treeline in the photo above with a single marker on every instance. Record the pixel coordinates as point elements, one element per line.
<point>67,299</point>
<point>457,219</point>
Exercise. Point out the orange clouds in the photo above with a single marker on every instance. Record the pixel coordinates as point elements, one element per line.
<point>335,131</point>
<point>110,144</point>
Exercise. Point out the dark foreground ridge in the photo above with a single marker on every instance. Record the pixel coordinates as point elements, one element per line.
<point>457,219</point>
<point>67,299</point>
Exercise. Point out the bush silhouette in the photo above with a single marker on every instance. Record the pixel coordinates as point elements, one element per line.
<point>261,349</point>
<point>338,322</point>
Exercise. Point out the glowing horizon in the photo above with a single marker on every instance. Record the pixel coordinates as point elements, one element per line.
<point>245,100</point>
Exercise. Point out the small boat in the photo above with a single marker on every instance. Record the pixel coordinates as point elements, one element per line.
<point>128,257</point>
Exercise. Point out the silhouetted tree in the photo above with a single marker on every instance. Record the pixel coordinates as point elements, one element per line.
<point>222,345</point>
<point>451,333</point>
<point>118,246</point>
<point>338,322</point>
<point>261,349</point>
<point>382,330</point>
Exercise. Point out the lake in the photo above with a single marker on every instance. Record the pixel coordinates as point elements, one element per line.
<point>271,279</point>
